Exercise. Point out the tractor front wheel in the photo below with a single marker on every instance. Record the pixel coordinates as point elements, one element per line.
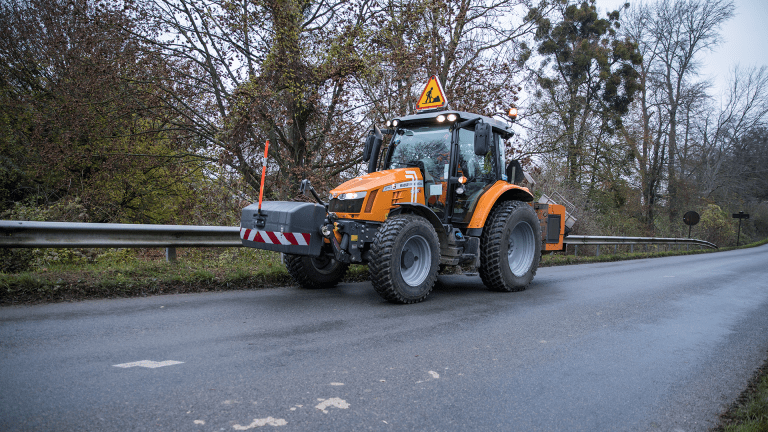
<point>510,247</point>
<point>315,272</point>
<point>404,259</point>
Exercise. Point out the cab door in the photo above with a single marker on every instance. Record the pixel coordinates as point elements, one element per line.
<point>481,172</point>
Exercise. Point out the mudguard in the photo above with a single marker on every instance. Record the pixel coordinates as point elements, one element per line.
<point>283,226</point>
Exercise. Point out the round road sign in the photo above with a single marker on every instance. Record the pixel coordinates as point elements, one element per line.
<point>691,218</point>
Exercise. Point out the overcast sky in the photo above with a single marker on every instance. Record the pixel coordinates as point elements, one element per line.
<point>745,40</point>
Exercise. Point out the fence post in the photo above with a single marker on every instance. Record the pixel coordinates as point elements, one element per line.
<point>170,254</point>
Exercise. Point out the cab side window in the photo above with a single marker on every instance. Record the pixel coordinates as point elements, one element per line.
<point>480,171</point>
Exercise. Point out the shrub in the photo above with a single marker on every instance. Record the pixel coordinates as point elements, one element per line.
<point>717,226</point>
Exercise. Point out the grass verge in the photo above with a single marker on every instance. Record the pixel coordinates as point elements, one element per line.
<point>749,413</point>
<point>137,273</point>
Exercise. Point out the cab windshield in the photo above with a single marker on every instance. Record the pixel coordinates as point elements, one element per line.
<point>429,145</point>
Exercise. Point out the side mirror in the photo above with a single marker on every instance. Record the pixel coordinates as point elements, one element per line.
<point>483,137</point>
<point>368,146</point>
<point>374,135</point>
<point>515,174</point>
<point>375,138</point>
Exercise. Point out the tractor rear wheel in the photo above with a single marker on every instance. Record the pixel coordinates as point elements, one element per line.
<point>315,272</point>
<point>404,259</point>
<point>510,247</point>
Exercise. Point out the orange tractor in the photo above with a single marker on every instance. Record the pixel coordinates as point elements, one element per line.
<point>439,194</point>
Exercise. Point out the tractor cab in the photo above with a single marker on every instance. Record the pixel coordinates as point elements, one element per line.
<point>459,156</point>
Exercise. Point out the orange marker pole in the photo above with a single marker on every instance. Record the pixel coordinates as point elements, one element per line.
<point>263,174</point>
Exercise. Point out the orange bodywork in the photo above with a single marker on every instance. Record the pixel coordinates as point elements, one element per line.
<point>543,211</point>
<point>486,202</point>
<point>384,190</point>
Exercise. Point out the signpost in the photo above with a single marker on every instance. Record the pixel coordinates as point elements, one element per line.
<point>740,215</point>
<point>690,218</point>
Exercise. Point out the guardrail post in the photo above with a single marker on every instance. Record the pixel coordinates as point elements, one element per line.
<point>597,253</point>
<point>632,248</point>
<point>575,250</point>
<point>170,254</point>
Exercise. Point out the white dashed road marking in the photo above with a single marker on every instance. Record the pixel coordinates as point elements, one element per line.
<point>332,402</point>
<point>261,422</point>
<point>148,364</point>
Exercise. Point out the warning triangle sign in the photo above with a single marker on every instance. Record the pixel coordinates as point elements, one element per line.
<point>432,96</point>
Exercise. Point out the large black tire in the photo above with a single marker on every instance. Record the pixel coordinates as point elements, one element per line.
<point>510,247</point>
<point>315,272</point>
<point>404,259</point>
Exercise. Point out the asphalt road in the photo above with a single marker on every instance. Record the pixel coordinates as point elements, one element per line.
<point>659,344</point>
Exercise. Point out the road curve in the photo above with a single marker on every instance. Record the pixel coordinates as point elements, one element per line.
<point>659,344</point>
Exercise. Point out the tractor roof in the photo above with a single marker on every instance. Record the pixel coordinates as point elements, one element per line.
<point>502,127</point>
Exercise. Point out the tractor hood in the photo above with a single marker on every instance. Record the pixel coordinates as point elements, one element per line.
<point>372,196</point>
<point>379,179</point>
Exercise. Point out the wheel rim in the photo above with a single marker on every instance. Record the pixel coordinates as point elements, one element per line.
<point>521,249</point>
<point>323,264</point>
<point>415,260</point>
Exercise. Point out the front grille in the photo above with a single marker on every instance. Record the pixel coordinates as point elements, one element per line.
<point>346,206</point>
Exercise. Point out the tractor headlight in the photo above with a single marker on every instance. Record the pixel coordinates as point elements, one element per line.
<point>452,117</point>
<point>350,202</point>
<point>395,122</point>
<point>352,195</point>
<point>440,118</point>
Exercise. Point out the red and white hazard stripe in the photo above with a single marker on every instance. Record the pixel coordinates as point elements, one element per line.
<point>274,237</point>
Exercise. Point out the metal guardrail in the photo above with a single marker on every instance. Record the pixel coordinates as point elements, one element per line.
<point>577,240</point>
<point>26,234</point>
<point>96,235</point>
<point>611,240</point>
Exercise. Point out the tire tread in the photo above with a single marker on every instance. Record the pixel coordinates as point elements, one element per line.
<point>380,266</point>
<point>295,265</point>
<point>490,248</point>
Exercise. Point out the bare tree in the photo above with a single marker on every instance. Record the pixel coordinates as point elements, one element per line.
<point>246,71</point>
<point>732,156</point>
<point>680,31</point>
<point>586,83</point>
<point>475,47</point>
<point>671,35</point>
